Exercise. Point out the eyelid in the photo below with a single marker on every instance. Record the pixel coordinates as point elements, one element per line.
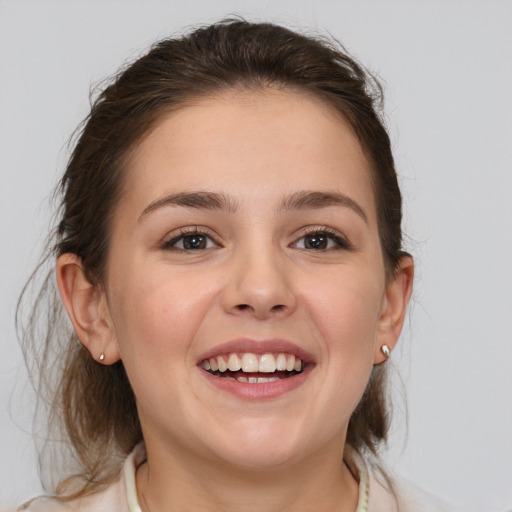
<point>337,236</point>
<point>174,236</point>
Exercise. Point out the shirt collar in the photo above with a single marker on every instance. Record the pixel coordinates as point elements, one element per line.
<point>352,459</point>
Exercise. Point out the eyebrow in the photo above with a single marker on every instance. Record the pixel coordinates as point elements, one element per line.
<point>199,200</point>
<point>302,200</point>
<point>315,200</point>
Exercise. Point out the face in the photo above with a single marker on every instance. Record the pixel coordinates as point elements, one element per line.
<point>245,247</point>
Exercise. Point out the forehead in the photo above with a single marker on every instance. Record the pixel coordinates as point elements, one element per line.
<point>264,142</point>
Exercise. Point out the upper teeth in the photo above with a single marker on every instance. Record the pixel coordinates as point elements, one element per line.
<point>253,363</point>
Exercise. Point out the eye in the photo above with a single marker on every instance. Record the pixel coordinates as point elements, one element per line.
<point>322,240</point>
<point>190,241</point>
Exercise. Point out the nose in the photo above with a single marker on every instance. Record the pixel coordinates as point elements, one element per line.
<point>260,286</point>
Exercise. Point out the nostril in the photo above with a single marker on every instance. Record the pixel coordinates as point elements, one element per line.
<point>274,309</point>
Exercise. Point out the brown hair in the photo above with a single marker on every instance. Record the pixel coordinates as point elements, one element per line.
<point>93,404</point>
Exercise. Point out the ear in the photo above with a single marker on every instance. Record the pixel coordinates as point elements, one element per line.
<point>394,304</point>
<point>87,307</point>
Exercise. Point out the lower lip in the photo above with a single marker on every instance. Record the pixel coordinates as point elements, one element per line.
<point>264,390</point>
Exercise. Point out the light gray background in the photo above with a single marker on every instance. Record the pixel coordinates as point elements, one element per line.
<point>448,72</point>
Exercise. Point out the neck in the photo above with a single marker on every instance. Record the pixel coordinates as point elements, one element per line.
<point>174,482</point>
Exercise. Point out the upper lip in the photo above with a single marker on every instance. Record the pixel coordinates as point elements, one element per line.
<point>270,346</point>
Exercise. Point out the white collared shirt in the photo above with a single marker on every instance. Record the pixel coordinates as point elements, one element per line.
<point>375,494</point>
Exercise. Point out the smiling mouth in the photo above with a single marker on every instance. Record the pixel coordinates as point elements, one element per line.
<point>254,368</point>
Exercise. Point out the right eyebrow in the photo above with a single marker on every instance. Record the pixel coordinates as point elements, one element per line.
<point>313,199</point>
<point>199,200</point>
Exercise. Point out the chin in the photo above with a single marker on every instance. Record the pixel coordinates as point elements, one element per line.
<point>260,458</point>
<point>259,446</point>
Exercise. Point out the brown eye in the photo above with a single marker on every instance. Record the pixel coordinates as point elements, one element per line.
<point>190,242</point>
<point>316,241</point>
<point>193,242</point>
<point>321,241</point>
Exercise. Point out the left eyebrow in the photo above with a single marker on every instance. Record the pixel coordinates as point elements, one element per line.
<point>200,200</point>
<point>314,200</point>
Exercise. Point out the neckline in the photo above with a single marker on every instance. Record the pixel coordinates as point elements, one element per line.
<point>353,460</point>
<point>359,470</point>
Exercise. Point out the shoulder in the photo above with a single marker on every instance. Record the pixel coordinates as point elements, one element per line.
<point>119,496</point>
<point>110,499</point>
<point>384,493</point>
<point>410,498</point>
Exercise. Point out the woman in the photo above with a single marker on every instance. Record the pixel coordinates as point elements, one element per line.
<point>229,254</point>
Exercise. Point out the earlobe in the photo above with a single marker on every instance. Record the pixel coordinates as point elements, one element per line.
<point>87,309</point>
<point>394,305</point>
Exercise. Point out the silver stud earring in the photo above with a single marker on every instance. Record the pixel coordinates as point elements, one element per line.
<point>385,350</point>
<point>102,356</point>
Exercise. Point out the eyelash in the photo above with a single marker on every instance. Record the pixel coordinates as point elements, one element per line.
<point>341,242</point>
<point>188,232</point>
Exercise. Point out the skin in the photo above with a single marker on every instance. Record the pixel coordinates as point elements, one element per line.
<point>161,306</point>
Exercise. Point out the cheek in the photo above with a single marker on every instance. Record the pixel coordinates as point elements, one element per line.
<point>156,321</point>
<point>346,309</point>
<point>156,316</point>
